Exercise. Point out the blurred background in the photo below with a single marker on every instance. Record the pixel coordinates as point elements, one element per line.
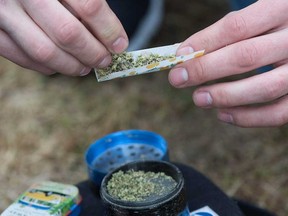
<point>47,123</point>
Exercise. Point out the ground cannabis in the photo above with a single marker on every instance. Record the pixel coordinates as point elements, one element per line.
<point>140,186</point>
<point>126,61</point>
<point>143,60</point>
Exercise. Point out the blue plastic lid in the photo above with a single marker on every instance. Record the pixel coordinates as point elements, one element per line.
<point>116,149</point>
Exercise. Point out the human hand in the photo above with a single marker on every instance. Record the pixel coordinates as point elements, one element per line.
<point>240,42</point>
<point>69,37</point>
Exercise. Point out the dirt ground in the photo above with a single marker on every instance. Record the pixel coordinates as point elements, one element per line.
<point>47,123</point>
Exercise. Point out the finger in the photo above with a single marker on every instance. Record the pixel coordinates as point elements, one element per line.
<point>103,23</point>
<point>257,89</point>
<point>70,9</point>
<point>239,25</point>
<point>270,115</point>
<point>233,59</point>
<point>39,47</point>
<point>278,64</point>
<point>9,50</point>
<point>68,32</point>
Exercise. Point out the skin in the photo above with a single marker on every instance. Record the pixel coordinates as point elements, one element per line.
<point>68,36</point>
<point>238,43</point>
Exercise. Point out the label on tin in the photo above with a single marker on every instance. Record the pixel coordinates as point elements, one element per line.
<point>205,211</point>
<point>45,199</point>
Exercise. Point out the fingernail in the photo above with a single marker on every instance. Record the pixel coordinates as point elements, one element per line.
<point>185,50</point>
<point>105,62</point>
<point>178,76</point>
<point>120,45</point>
<point>203,99</point>
<point>225,117</point>
<point>85,71</point>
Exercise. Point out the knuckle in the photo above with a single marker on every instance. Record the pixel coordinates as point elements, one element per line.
<point>68,33</point>
<point>281,118</point>
<point>90,7</point>
<point>235,25</point>
<point>43,53</point>
<point>110,32</point>
<point>240,118</point>
<point>208,42</point>
<point>94,60</point>
<point>241,121</point>
<point>274,90</point>
<point>247,54</point>
<point>221,98</point>
<point>197,76</point>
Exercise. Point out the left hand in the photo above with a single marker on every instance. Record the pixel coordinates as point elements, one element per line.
<point>68,37</point>
<point>240,42</point>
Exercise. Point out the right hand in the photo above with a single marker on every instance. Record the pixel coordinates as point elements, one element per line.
<point>242,41</point>
<point>69,37</point>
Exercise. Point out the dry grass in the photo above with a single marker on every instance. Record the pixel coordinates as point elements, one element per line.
<point>48,122</point>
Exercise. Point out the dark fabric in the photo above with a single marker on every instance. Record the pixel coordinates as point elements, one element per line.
<point>251,210</point>
<point>129,12</point>
<point>200,192</point>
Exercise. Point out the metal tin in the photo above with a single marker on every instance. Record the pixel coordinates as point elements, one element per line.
<point>116,149</point>
<point>47,199</point>
<point>172,204</point>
